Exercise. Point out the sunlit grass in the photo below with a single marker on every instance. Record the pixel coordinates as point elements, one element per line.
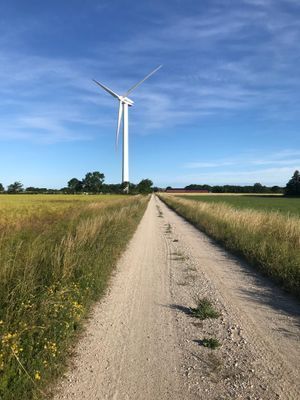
<point>57,253</point>
<point>268,240</point>
<point>270,203</point>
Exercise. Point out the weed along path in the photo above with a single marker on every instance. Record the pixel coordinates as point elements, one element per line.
<point>144,341</point>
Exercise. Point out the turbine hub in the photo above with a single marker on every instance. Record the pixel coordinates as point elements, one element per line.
<point>126,100</point>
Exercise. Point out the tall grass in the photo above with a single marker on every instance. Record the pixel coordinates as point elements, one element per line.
<point>55,261</point>
<point>273,203</point>
<point>268,240</point>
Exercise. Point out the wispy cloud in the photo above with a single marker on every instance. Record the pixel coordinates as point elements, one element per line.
<point>243,169</point>
<point>285,157</point>
<point>243,56</point>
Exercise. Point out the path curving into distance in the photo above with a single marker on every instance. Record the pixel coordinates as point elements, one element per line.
<point>141,342</point>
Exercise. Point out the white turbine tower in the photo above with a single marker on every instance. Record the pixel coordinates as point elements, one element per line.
<point>124,103</point>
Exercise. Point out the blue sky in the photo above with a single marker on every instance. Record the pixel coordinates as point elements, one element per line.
<point>224,109</point>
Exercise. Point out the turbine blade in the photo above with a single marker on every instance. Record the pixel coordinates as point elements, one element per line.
<point>143,80</point>
<point>119,124</point>
<point>107,89</point>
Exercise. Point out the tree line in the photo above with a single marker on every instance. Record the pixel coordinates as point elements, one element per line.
<point>256,188</point>
<point>291,188</point>
<point>92,183</point>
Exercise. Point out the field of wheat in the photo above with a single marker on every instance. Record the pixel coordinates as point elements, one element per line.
<point>57,253</point>
<point>268,240</point>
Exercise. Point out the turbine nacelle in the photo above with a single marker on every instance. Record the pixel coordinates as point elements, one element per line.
<point>126,100</point>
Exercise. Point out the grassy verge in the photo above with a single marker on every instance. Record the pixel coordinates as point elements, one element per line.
<point>268,240</point>
<point>55,262</point>
<point>270,203</point>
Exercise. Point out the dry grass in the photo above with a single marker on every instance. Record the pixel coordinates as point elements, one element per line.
<point>57,253</point>
<point>268,240</point>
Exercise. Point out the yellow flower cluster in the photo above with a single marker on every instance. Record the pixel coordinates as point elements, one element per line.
<point>1,361</point>
<point>27,305</point>
<point>75,287</point>
<point>51,347</point>
<point>10,343</point>
<point>37,375</point>
<point>8,338</point>
<point>50,290</point>
<point>77,310</point>
<point>58,306</point>
<point>77,306</point>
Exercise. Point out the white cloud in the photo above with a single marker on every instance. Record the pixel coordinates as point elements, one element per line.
<point>284,157</point>
<point>244,58</point>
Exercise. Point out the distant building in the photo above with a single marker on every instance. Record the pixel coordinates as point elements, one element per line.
<point>179,190</point>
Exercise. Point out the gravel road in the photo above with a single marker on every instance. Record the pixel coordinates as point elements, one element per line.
<point>141,341</point>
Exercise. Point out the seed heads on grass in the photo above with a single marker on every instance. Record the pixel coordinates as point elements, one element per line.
<point>211,343</point>
<point>204,309</point>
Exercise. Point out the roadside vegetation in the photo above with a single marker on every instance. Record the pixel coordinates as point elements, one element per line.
<point>273,203</point>
<point>204,309</point>
<point>211,343</point>
<point>57,253</point>
<point>268,240</point>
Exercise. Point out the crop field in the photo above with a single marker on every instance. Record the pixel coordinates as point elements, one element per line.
<point>249,227</point>
<point>57,253</point>
<point>256,202</point>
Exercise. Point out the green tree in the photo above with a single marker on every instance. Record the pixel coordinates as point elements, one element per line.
<point>1,188</point>
<point>75,185</point>
<point>93,182</point>
<point>15,187</point>
<point>258,188</point>
<point>293,186</point>
<point>145,186</point>
<point>32,189</point>
<point>276,189</point>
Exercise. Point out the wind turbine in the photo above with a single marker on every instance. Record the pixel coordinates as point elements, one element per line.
<point>124,103</point>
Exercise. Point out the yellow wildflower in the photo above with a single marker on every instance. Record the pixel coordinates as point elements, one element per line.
<point>1,362</point>
<point>16,349</point>
<point>37,375</point>
<point>8,337</point>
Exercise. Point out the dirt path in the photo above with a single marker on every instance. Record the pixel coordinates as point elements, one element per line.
<point>141,342</point>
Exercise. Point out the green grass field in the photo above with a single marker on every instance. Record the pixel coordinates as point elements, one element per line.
<point>249,227</point>
<point>57,254</point>
<point>281,204</point>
